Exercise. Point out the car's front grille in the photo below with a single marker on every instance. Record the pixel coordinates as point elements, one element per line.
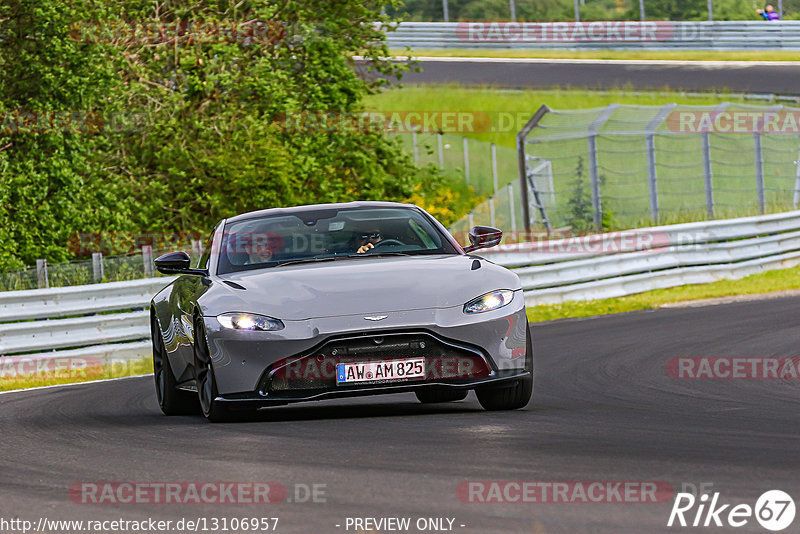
<point>316,370</point>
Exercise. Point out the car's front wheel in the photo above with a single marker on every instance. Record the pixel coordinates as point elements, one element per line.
<point>518,394</point>
<point>171,400</point>
<point>434,394</point>
<point>204,378</point>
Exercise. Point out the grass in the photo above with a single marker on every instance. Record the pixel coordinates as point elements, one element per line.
<point>766,282</point>
<point>74,376</point>
<point>679,55</point>
<point>510,109</point>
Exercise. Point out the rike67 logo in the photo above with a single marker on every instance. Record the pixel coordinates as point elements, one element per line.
<point>774,510</point>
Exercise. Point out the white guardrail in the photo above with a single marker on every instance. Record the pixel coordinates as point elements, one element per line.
<point>698,35</point>
<point>93,325</point>
<point>109,322</point>
<point>623,263</point>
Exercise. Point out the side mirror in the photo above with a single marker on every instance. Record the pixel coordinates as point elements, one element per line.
<point>176,263</point>
<point>483,237</point>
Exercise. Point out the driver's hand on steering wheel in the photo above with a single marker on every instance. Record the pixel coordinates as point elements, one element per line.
<point>363,248</point>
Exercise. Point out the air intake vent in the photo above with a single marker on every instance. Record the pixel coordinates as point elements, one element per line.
<point>234,285</point>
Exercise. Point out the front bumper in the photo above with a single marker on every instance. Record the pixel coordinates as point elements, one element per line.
<point>252,400</point>
<point>494,343</point>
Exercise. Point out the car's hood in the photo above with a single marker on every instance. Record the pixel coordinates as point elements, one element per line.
<point>358,286</point>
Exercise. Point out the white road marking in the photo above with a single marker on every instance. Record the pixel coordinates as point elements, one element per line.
<point>74,384</point>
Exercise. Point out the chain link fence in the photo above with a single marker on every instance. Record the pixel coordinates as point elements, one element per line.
<point>490,170</point>
<point>632,166</point>
<point>624,167</point>
<point>79,272</point>
<point>485,167</point>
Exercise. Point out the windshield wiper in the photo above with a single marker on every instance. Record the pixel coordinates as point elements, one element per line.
<point>375,254</point>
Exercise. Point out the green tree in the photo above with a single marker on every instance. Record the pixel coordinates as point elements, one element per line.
<point>49,183</point>
<point>191,130</point>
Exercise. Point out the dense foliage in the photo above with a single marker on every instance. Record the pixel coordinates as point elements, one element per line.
<point>170,133</point>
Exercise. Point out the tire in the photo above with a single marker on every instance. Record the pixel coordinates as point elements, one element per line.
<point>432,395</point>
<point>171,400</point>
<point>518,394</point>
<point>204,378</point>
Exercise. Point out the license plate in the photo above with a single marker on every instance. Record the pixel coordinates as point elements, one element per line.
<point>381,371</point>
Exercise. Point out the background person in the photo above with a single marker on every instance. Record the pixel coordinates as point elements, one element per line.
<point>768,13</point>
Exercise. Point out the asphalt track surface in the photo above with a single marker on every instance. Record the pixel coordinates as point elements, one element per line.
<point>781,78</point>
<point>604,409</point>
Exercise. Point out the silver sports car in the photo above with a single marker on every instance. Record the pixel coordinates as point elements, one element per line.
<point>338,300</point>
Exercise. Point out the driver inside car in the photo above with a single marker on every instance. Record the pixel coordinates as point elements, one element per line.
<point>366,240</point>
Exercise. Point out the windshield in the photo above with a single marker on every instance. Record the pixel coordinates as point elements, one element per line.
<point>327,235</point>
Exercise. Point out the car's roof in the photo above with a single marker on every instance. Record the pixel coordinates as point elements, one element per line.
<point>312,207</point>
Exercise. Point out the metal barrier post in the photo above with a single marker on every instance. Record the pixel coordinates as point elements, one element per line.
<point>494,169</point>
<point>147,260</point>
<point>594,174</point>
<point>759,161</point>
<point>466,161</point>
<point>511,208</point>
<point>41,274</point>
<point>441,151</point>
<point>707,176</point>
<point>796,198</point>
<point>594,179</point>
<point>650,143</point>
<point>97,266</point>
<point>522,164</point>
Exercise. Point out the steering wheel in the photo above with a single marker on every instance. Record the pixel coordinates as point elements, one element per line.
<point>388,242</point>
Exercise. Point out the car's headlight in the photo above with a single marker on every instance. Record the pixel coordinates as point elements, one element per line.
<point>248,321</point>
<point>489,301</point>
